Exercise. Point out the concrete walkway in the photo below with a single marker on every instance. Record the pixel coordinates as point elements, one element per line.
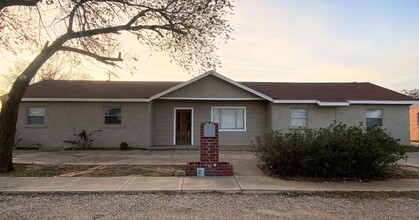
<point>247,177</point>
<point>234,184</point>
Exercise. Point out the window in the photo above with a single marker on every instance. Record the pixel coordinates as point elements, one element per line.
<point>230,118</point>
<point>113,115</point>
<point>374,117</point>
<point>36,115</point>
<point>299,117</point>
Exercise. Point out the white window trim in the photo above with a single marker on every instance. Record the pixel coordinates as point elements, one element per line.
<point>231,107</point>
<point>306,117</point>
<point>104,116</point>
<point>373,109</point>
<point>174,123</point>
<point>36,125</point>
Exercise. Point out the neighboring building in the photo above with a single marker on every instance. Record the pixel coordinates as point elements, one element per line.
<point>414,123</point>
<point>147,114</point>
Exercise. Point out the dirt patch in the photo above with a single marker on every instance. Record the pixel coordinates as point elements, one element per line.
<point>33,170</point>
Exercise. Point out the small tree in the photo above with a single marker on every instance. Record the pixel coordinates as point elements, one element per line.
<point>411,92</point>
<point>186,30</point>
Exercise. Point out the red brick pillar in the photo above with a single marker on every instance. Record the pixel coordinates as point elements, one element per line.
<point>209,146</point>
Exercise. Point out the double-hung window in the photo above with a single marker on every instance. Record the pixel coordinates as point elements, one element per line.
<point>374,117</point>
<point>230,118</point>
<point>299,117</point>
<point>36,115</point>
<point>113,116</point>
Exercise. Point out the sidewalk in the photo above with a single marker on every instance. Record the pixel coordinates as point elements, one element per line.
<point>248,178</point>
<point>234,184</point>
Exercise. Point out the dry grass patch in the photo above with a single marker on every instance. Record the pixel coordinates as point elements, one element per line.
<point>34,170</point>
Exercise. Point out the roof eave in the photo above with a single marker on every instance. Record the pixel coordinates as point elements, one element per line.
<point>85,100</point>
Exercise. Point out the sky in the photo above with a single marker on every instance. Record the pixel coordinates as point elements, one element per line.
<point>311,41</point>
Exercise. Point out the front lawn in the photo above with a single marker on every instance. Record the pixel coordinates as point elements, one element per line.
<point>33,170</point>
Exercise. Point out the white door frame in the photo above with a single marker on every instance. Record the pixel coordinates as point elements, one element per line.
<point>174,122</point>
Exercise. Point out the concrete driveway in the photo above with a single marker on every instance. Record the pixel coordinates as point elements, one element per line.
<point>244,162</point>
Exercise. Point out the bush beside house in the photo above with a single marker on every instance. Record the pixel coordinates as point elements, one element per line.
<point>336,151</point>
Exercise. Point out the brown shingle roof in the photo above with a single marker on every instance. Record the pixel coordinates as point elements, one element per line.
<point>96,89</point>
<point>324,92</point>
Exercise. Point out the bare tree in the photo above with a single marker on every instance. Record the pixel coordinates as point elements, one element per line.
<point>411,92</point>
<point>56,68</point>
<point>187,30</point>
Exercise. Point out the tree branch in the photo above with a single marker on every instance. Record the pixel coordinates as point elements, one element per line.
<point>116,29</point>
<point>135,18</point>
<point>7,3</point>
<point>105,60</point>
<point>71,17</point>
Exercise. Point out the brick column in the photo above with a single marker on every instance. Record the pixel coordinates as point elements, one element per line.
<point>209,146</point>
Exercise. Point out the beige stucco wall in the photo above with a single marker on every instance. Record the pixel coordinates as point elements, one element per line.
<point>317,116</point>
<point>395,117</point>
<point>63,119</point>
<point>211,87</point>
<point>163,118</point>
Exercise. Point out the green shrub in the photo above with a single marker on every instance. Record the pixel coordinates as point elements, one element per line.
<point>336,151</point>
<point>124,146</point>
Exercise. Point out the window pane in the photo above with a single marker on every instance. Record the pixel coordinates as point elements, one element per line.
<point>240,118</point>
<point>374,121</point>
<point>299,113</point>
<point>113,115</point>
<point>113,120</point>
<point>228,118</point>
<point>113,111</point>
<point>377,113</point>
<point>36,111</point>
<point>299,122</point>
<point>36,120</point>
<point>216,116</point>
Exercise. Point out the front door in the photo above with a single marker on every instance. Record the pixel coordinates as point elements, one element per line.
<point>183,126</point>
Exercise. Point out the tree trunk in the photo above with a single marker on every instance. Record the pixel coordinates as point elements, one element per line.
<point>8,118</point>
<point>11,101</point>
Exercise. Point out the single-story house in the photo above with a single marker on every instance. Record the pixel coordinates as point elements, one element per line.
<point>146,114</point>
<point>414,123</point>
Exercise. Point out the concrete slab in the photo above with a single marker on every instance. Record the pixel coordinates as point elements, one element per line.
<point>40,184</point>
<point>98,184</point>
<point>157,184</point>
<point>252,184</point>
<point>9,182</point>
<point>412,160</point>
<point>257,184</point>
<point>210,184</point>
